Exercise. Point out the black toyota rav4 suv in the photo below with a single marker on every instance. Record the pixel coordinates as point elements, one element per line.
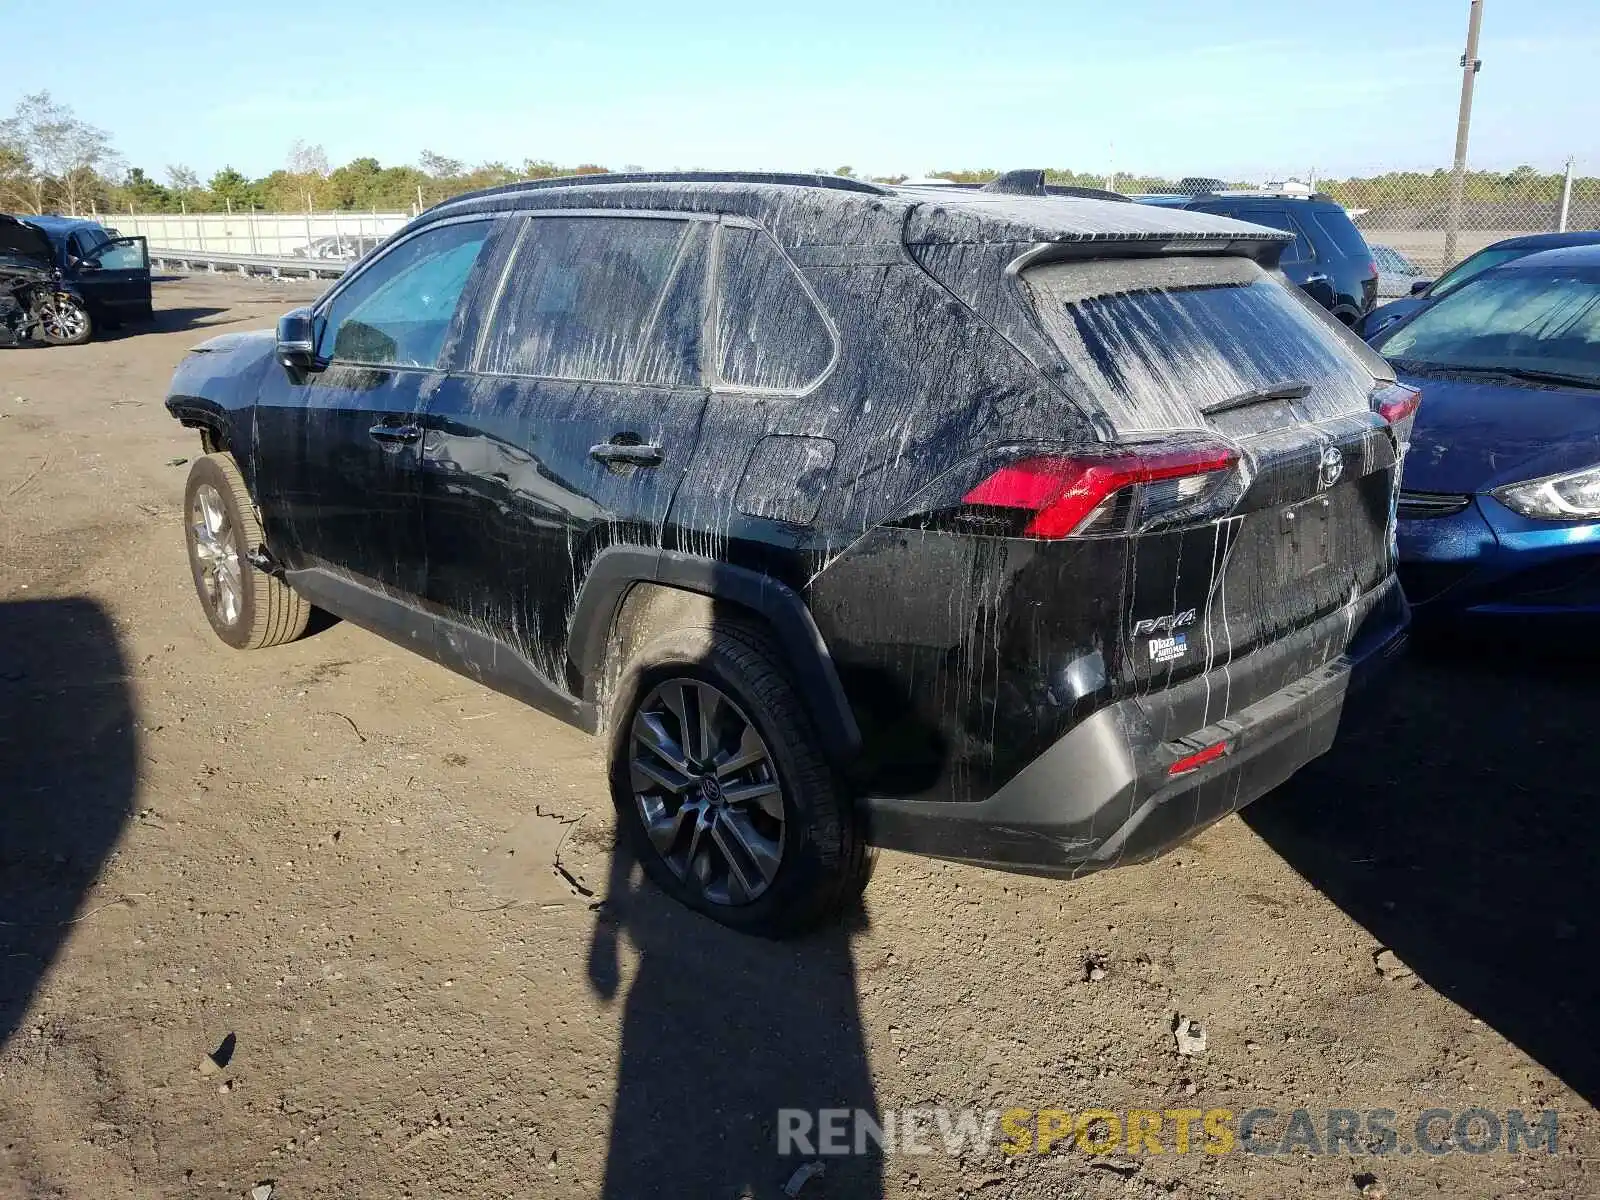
<point>1009,527</point>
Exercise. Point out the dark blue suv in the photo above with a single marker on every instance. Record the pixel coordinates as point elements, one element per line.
<point>1329,259</point>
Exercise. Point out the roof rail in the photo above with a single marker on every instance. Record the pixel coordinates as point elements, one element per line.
<point>841,183</point>
<point>1263,193</point>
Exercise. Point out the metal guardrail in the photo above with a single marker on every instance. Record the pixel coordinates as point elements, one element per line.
<point>275,265</point>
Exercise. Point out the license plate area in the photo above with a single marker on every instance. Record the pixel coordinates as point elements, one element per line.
<point>1306,526</point>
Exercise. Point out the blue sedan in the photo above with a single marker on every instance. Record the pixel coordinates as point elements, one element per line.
<point>1500,507</point>
<point>1424,293</point>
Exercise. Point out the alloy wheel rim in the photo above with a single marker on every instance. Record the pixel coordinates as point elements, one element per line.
<point>62,319</point>
<point>707,790</point>
<point>216,553</point>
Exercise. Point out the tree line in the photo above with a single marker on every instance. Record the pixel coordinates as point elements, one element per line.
<point>52,161</point>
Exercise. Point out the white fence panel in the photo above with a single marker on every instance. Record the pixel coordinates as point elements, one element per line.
<point>253,233</point>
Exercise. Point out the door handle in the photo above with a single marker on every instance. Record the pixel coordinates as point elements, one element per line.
<point>395,433</point>
<point>1317,278</point>
<point>637,455</point>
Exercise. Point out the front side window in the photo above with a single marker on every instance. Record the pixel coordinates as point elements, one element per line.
<point>770,335</point>
<point>1521,321</point>
<point>398,311</point>
<point>125,254</point>
<point>582,296</point>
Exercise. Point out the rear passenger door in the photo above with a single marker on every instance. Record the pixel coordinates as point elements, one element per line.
<point>1299,260</point>
<point>573,427</point>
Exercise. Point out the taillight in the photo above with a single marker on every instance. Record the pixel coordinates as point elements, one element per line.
<point>1081,494</point>
<point>1395,402</point>
<point>1372,267</point>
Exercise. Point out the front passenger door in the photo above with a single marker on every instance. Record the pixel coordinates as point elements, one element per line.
<point>338,450</point>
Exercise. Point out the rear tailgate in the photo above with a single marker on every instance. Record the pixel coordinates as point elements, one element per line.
<point>1182,344</point>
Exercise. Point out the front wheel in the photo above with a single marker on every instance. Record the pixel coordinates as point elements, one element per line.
<point>247,608</point>
<point>64,321</point>
<point>722,789</point>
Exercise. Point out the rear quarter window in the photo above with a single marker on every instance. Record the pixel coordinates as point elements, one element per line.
<point>1158,341</point>
<point>1341,231</point>
<point>770,334</point>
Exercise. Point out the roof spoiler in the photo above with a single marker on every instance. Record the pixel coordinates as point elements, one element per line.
<point>1017,183</point>
<point>1031,183</point>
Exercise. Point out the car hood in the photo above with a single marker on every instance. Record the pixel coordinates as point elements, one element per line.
<point>1472,436</point>
<point>24,246</point>
<point>225,343</point>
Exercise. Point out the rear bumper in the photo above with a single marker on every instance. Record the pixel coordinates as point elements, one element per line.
<point>1102,796</point>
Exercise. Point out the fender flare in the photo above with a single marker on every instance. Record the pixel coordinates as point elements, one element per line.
<point>618,569</point>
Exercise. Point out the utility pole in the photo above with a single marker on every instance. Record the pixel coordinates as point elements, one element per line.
<point>1471,64</point>
<point>1566,199</point>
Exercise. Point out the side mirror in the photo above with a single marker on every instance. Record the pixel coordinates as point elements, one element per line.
<point>86,264</point>
<point>297,340</point>
<point>1418,286</point>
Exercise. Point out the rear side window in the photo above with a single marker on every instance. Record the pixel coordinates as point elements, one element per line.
<point>1159,341</point>
<point>398,310</point>
<point>1341,232</point>
<point>770,335</point>
<point>1300,250</point>
<point>580,296</point>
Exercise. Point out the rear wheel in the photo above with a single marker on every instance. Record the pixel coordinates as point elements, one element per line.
<point>64,321</point>
<point>248,609</point>
<point>722,789</point>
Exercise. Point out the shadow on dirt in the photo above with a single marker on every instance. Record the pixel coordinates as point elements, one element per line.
<point>171,320</point>
<point>1455,819</point>
<point>68,764</point>
<point>720,1030</point>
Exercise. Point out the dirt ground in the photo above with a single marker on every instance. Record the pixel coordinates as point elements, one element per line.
<point>372,889</point>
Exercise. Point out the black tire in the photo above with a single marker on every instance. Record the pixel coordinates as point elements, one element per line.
<point>267,611</point>
<point>825,861</point>
<point>82,324</point>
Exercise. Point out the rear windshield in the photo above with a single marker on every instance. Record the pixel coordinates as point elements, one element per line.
<point>1158,341</point>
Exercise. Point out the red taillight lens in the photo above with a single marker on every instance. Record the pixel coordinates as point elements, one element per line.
<point>1372,266</point>
<point>1194,762</point>
<point>1396,402</point>
<point>1063,491</point>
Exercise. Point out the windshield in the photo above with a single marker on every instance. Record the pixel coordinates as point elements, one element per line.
<point>1522,320</point>
<point>1469,269</point>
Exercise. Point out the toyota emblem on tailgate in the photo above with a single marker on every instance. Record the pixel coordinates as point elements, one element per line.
<point>1330,467</point>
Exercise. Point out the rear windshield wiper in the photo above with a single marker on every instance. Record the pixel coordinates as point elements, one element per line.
<point>1294,389</point>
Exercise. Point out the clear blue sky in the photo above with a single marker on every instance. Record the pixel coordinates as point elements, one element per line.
<point>1258,88</point>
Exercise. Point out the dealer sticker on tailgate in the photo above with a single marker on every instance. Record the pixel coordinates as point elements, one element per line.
<point>1168,649</point>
